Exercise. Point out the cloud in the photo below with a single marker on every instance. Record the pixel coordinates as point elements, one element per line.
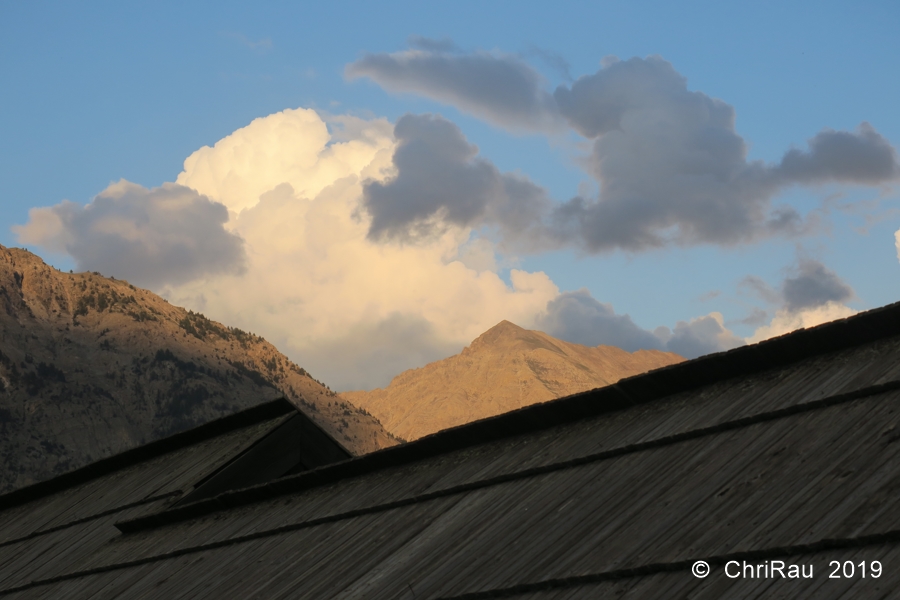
<point>673,170</point>
<point>897,243</point>
<point>370,354</point>
<point>671,167</point>
<point>293,146</point>
<point>427,44</point>
<point>759,288</point>
<point>811,295</point>
<point>809,284</point>
<point>756,317</point>
<point>578,318</point>
<point>553,60</point>
<point>815,285</point>
<point>500,88</point>
<point>702,335</point>
<point>166,235</point>
<point>863,157</point>
<point>441,181</point>
<point>786,321</point>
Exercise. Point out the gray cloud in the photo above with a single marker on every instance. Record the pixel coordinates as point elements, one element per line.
<point>501,89</point>
<point>814,285</point>
<point>759,288</point>
<point>578,318</point>
<point>703,335</point>
<point>671,167</point>
<point>441,180</point>
<point>553,60</point>
<point>166,235</point>
<point>756,317</point>
<point>428,44</point>
<point>602,102</point>
<point>863,157</point>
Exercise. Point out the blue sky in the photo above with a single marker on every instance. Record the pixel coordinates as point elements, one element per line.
<point>94,95</point>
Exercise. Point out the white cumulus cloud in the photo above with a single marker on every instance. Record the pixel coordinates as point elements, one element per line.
<point>352,311</point>
<point>293,146</point>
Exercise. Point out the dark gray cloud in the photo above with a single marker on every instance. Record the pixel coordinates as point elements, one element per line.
<point>166,235</point>
<point>671,167</point>
<point>579,318</point>
<point>440,180</point>
<point>814,285</point>
<point>501,89</point>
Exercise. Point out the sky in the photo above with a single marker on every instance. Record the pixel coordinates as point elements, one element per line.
<point>372,186</point>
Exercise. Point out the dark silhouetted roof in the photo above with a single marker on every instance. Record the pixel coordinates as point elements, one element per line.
<point>786,450</point>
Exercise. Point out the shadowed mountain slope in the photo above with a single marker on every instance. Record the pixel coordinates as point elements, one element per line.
<point>90,367</point>
<point>505,368</point>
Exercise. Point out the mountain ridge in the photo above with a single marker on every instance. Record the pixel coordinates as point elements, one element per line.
<point>503,369</point>
<point>91,366</point>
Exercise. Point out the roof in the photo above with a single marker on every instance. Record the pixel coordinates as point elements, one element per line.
<point>786,450</point>
<point>257,414</point>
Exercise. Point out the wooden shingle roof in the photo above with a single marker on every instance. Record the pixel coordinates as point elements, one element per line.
<point>781,451</point>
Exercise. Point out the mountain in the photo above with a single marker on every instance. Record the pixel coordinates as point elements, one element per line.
<point>506,368</point>
<point>91,366</point>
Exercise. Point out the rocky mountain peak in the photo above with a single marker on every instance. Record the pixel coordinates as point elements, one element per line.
<point>91,366</point>
<point>509,337</point>
<point>505,368</point>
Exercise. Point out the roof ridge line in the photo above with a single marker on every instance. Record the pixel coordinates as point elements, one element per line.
<point>330,473</point>
<point>249,416</point>
<point>789,348</point>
